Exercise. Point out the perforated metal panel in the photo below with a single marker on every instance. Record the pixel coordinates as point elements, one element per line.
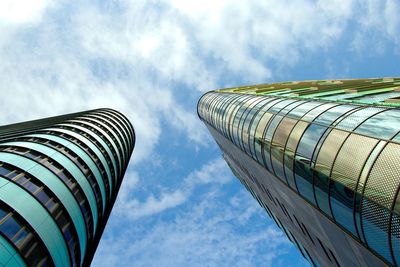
<point>290,149</point>
<point>345,173</point>
<point>278,145</point>
<point>353,120</point>
<point>379,194</point>
<point>323,167</point>
<point>395,232</point>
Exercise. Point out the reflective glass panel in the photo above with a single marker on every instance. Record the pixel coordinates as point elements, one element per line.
<point>303,172</point>
<point>323,166</point>
<point>345,174</point>
<point>332,114</point>
<point>382,125</point>
<point>290,149</point>
<point>299,111</point>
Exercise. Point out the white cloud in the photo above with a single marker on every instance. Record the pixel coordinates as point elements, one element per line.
<point>151,60</point>
<point>203,235</point>
<point>131,208</point>
<point>138,56</point>
<point>22,11</point>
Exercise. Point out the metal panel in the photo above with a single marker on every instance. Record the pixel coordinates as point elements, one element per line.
<point>80,178</point>
<point>323,167</point>
<point>290,149</point>
<point>345,173</point>
<point>379,195</point>
<point>39,219</point>
<point>278,145</point>
<point>91,146</point>
<point>8,255</point>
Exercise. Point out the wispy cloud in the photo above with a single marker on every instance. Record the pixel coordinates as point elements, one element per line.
<point>152,60</point>
<point>138,57</point>
<point>203,235</point>
<point>131,208</point>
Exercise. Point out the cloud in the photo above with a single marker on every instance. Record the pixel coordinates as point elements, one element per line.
<point>22,11</point>
<point>131,208</point>
<point>206,234</point>
<point>152,59</point>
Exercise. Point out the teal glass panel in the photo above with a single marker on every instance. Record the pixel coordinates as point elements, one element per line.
<point>106,135</point>
<point>375,223</point>
<point>123,118</point>
<point>345,175</point>
<point>39,219</point>
<point>76,173</point>
<point>248,137</point>
<point>118,134</point>
<point>112,137</point>
<point>323,166</point>
<point>8,255</point>
<point>321,188</point>
<point>342,205</point>
<point>55,185</point>
<point>120,125</point>
<point>93,147</point>
<point>89,162</point>
<point>278,145</point>
<point>290,149</point>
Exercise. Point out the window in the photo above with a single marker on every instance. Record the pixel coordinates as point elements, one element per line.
<point>345,173</point>
<point>267,139</point>
<point>382,125</point>
<point>259,142</point>
<point>34,185</point>
<point>312,114</point>
<point>278,145</point>
<point>244,123</point>
<point>18,232</point>
<point>323,166</point>
<point>332,114</point>
<point>303,172</point>
<point>254,124</point>
<point>299,111</point>
<point>354,119</point>
<point>379,195</point>
<point>291,146</point>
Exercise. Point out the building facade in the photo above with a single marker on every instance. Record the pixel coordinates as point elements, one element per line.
<point>322,158</point>
<point>59,178</point>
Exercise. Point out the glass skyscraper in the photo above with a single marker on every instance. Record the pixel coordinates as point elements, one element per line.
<point>322,158</point>
<point>59,178</point>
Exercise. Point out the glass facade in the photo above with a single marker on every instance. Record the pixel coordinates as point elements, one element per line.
<point>341,157</point>
<point>59,178</point>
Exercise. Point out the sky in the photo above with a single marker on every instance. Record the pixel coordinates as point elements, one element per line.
<point>179,204</point>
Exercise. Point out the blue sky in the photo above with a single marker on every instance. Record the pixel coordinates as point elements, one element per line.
<point>179,204</point>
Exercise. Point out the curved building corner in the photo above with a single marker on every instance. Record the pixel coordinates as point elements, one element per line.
<point>322,158</point>
<point>59,178</point>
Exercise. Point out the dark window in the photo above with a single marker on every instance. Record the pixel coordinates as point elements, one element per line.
<point>18,232</point>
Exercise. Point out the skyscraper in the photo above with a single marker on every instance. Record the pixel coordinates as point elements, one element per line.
<point>59,178</point>
<point>322,158</point>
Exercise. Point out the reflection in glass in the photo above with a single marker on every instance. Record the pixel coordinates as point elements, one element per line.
<point>382,125</point>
